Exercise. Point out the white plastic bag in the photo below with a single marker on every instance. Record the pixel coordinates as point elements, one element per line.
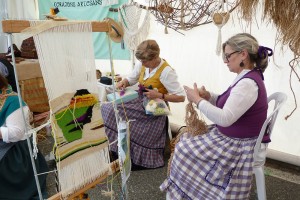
<point>156,107</point>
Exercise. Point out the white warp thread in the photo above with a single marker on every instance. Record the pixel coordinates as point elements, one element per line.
<point>66,58</point>
<point>90,167</point>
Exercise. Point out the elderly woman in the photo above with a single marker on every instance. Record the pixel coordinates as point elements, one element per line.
<point>218,164</point>
<point>17,179</point>
<point>147,133</point>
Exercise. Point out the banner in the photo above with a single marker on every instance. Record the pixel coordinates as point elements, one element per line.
<point>89,10</point>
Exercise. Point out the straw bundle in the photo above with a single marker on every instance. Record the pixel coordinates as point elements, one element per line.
<point>194,125</point>
<point>285,16</point>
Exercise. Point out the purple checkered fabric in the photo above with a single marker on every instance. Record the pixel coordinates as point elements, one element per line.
<point>212,166</point>
<point>147,133</point>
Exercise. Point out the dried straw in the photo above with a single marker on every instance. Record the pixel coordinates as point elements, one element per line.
<point>194,125</point>
<point>247,9</point>
<point>285,16</point>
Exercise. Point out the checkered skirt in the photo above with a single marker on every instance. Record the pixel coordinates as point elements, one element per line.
<point>212,166</point>
<point>147,133</point>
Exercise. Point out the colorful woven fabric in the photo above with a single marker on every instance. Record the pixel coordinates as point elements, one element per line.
<point>81,145</point>
<point>211,166</point>
<point>147,133</point>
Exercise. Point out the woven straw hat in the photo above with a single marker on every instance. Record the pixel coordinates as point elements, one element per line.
<point>116,32</point>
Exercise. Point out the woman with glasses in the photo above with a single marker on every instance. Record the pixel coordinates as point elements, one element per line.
<point>17,179</point>
<point>147,133</point>
<point>218,164</point>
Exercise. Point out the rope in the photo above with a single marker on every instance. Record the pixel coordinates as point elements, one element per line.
<point>220,19</point>
<point>129,16</point>
<point>33,132</point>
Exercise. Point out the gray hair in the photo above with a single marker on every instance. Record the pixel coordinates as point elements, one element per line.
<point>245,41</point>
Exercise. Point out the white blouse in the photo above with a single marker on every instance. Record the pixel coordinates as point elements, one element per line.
<point>13,129</point>
<point>241,98</point>
<point>168,78</point>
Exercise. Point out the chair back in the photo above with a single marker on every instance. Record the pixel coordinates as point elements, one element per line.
<point>279,98</point>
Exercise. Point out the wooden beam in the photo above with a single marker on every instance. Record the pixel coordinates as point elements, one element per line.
<point>114,167</point>
<point>16,26</point>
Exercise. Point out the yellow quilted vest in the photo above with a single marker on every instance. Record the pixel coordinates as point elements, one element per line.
<point>154,80</point>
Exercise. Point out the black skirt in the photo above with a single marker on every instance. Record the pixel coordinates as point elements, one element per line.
<point>17,179</point>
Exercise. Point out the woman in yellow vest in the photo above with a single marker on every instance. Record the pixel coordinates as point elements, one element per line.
<point>147,133</point>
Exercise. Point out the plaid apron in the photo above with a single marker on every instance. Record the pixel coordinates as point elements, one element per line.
<point>212,166</point>
<point>147,133</point>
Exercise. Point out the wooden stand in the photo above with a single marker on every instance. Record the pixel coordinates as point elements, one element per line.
<point>17,26</point>
<point>114,166</point>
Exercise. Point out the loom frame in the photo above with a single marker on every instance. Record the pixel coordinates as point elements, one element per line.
<point>17,26</point>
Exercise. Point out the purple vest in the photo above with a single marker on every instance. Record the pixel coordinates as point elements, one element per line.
<point>250,123</point>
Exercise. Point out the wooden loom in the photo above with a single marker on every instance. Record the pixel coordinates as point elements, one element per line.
<point>17,26</point>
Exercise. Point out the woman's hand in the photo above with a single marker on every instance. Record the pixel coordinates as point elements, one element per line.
<point>204,93</point>
<point>193,94</point>
<point>152,94</point>
<point>122,84</point>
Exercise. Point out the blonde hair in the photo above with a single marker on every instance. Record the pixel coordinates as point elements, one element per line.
<point>245,41</point>
<point>147,50</point>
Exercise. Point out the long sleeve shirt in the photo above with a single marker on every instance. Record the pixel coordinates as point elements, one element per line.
<point>241,98</point>
<point>168,78</point>
<point>13,129</point>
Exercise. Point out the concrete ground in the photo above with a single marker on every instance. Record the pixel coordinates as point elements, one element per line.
<point>282,182</point>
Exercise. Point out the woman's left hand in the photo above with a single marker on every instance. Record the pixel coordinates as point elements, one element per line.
<point>193,94</point>
<point>152,94</point>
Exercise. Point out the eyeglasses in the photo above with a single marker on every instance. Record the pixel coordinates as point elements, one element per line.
<point>227,56</point>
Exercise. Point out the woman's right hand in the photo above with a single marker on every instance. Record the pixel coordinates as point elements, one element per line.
<point>122,84</point>
<point>204,93</point>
